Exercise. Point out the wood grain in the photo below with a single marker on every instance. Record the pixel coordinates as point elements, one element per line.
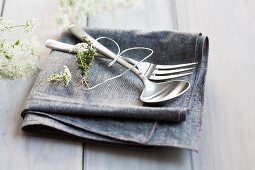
<point>228,129</point>
<point>104,158</point>
<point>19,151</point>
<point>150,15</point>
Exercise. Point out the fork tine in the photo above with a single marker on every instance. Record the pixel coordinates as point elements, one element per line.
<point>174,66</point>
<point>153,77</point>
<point>164,72</point>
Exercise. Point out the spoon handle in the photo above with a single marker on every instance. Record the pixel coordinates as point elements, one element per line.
<point>80,33</point>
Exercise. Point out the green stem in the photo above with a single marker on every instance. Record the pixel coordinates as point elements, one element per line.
<point>16,26</point>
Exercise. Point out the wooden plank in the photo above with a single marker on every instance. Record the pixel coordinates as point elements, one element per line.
<point>19,151</point>
<point>151,15</point>
<point>104,158</point>
<point>228,129</point>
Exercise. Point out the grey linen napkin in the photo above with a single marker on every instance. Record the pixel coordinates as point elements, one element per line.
<point>113,112</point>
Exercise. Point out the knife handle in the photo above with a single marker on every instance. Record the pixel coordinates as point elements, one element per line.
<point>69,48</point>
<point>59,46</point>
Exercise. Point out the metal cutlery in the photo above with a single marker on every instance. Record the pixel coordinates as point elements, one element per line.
<point>152,92</point>
<point>151,71</point>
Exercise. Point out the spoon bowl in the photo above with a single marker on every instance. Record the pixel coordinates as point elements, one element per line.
<point>160,92</point>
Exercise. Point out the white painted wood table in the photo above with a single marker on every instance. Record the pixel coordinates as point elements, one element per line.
<point>228,136</point>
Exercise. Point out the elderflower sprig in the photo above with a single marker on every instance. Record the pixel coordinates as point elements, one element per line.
<point>8,24</point>
<point>64,77</point>
<point>31,25</point>
<point>20,57</point>
<point>75,11</point>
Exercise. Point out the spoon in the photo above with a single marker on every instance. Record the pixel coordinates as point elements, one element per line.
<point>152,92</point>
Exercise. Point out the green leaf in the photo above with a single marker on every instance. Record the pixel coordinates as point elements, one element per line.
<point>16,43</point>
<point>8,57</point>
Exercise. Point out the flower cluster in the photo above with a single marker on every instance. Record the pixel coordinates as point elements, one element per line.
<point>63,77</point>
<point>20,57</point>
<point>6,24</point>
<point>31,25</point>
<point>74,11</point>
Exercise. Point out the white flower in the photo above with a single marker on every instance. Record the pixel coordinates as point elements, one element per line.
<point>6,24</point>
<point>68,75</point>
<point>6,49</point>
<point>81,47</point>
<point>31,25</point>
<point>30,46</point>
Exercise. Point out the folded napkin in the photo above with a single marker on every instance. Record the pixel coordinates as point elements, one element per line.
<point>113,112</point>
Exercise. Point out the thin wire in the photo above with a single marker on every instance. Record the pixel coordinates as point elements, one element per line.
<point>118,55</point>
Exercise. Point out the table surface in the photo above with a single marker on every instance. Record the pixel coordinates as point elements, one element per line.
<point>227,139</point>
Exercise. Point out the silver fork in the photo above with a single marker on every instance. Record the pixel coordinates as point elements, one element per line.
<point>151,71</point>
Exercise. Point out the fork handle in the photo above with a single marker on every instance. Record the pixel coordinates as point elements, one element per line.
<point>80,33</point>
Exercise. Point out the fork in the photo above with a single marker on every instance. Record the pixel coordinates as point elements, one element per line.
<point>152,71</point>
